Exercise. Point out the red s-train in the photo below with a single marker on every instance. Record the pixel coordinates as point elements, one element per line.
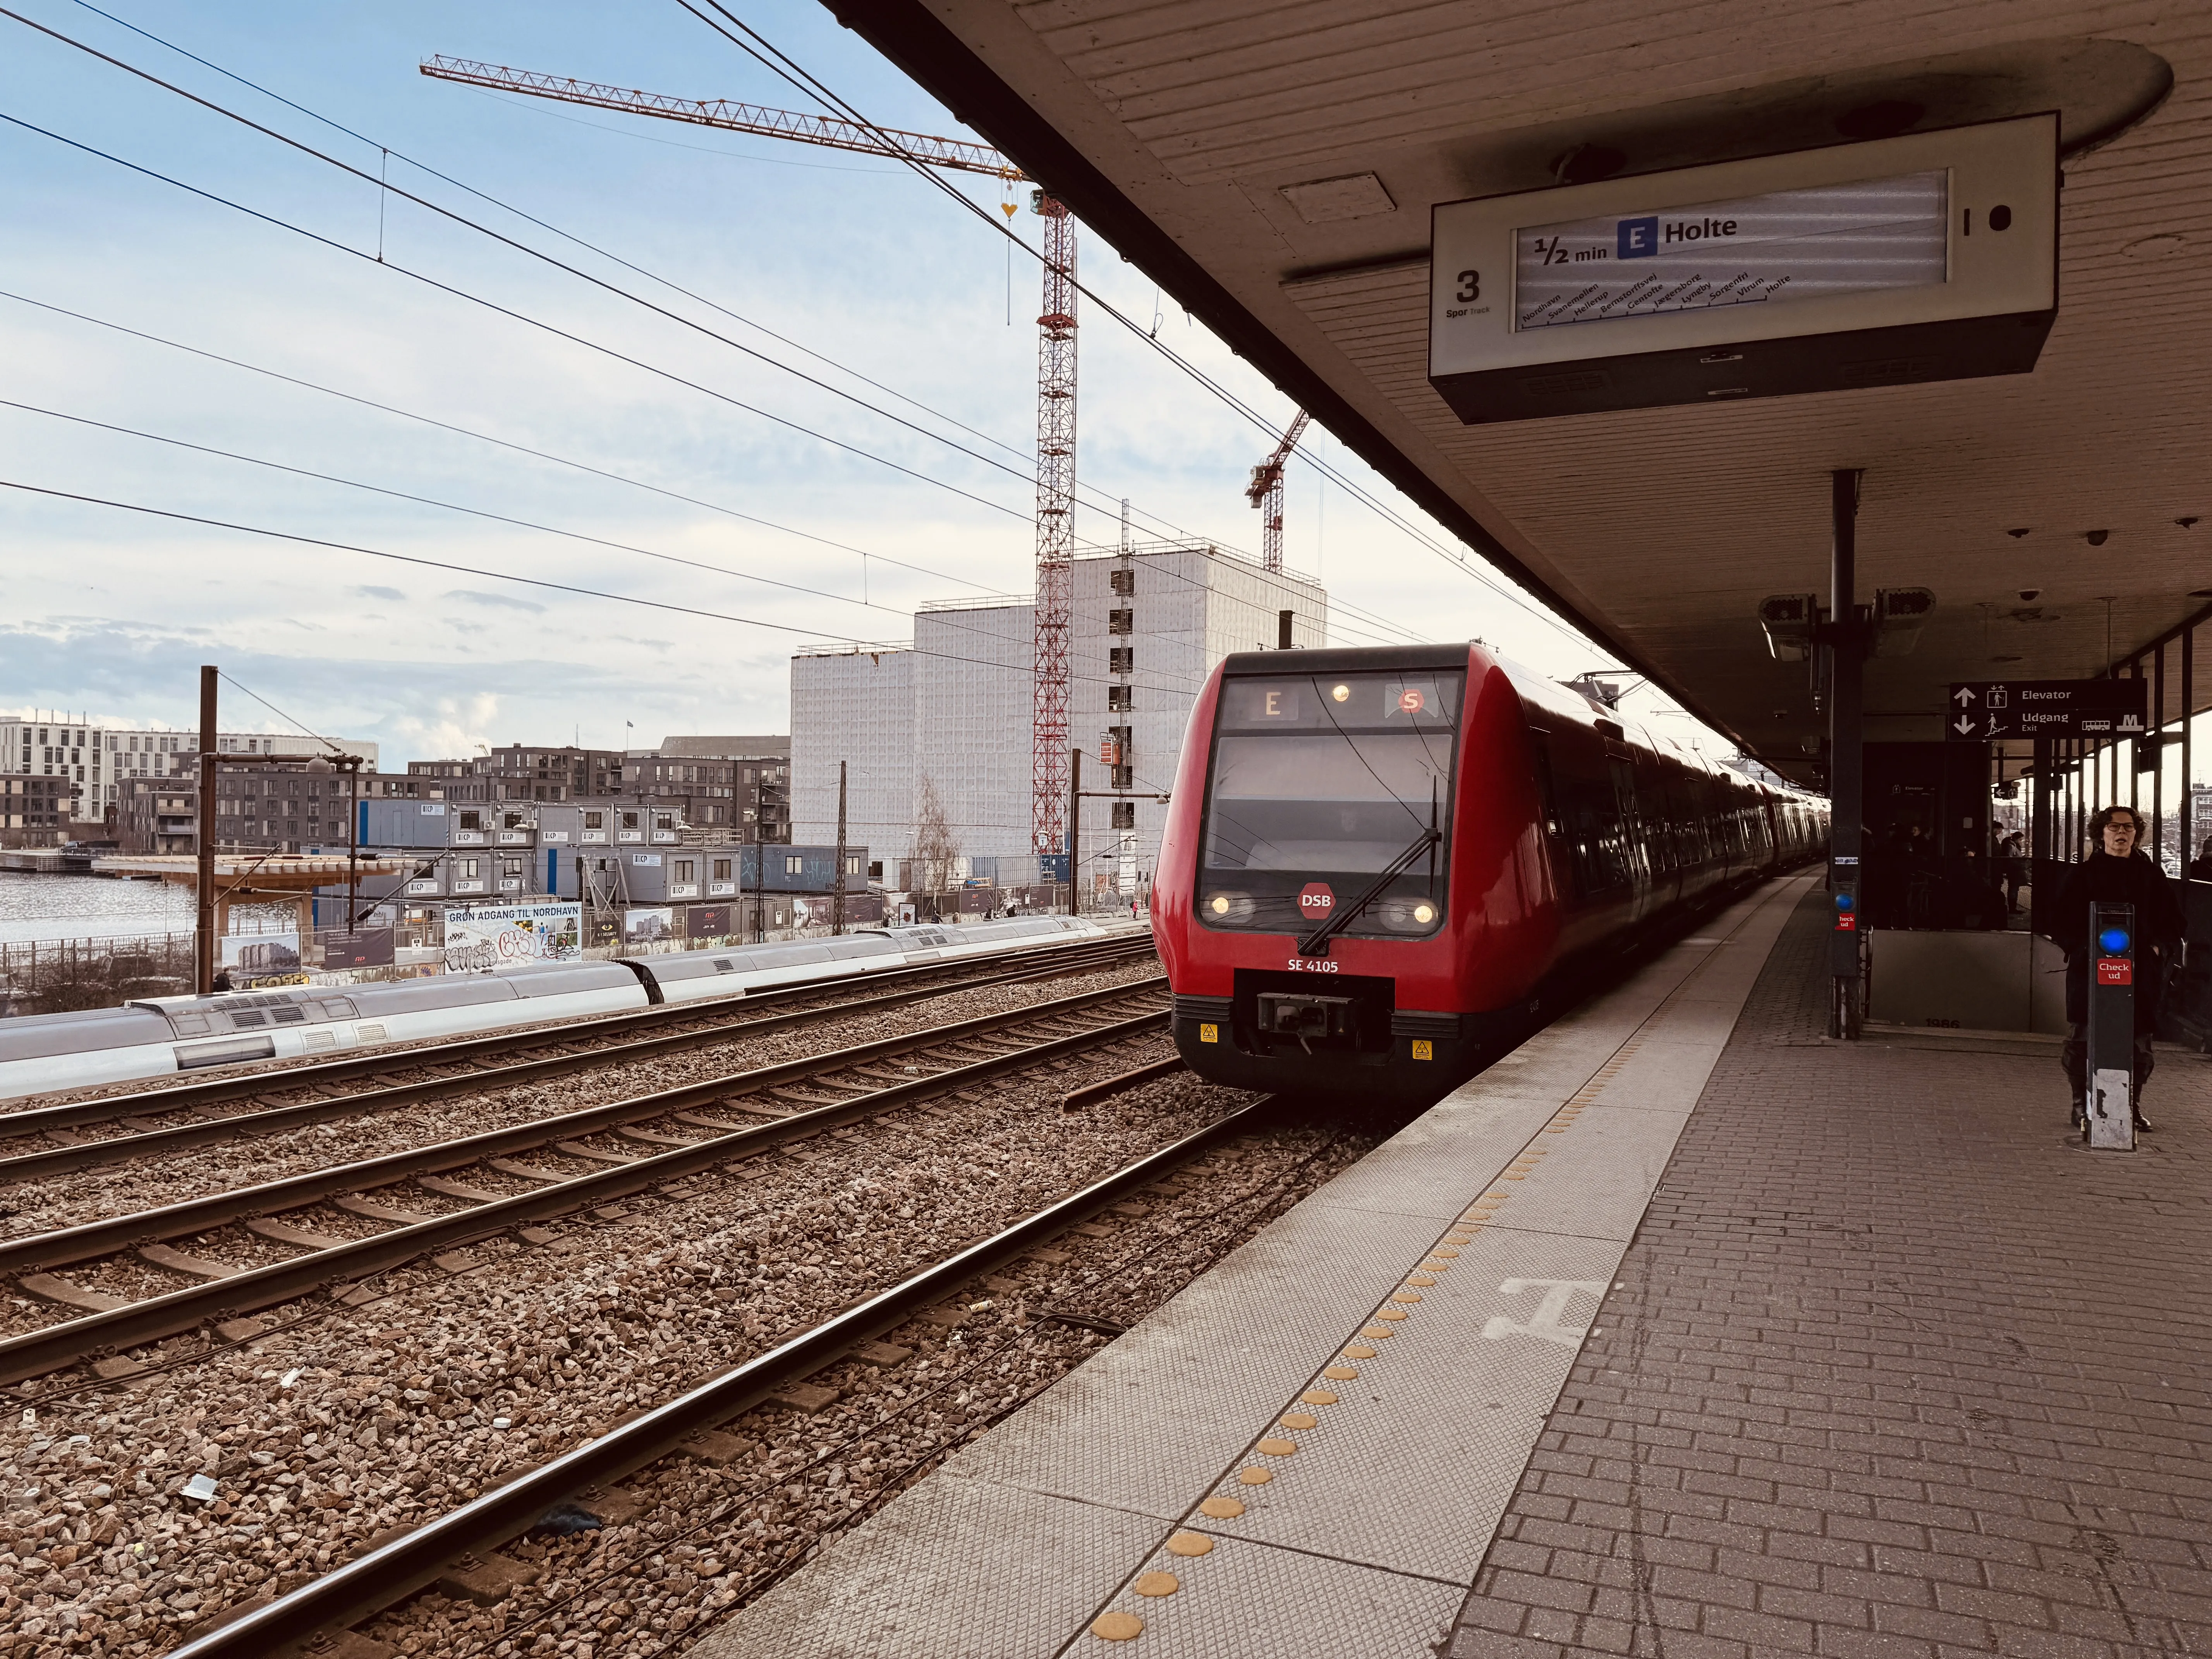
<point>1382,867</point>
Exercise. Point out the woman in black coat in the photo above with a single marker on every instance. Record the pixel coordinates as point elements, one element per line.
<point>2117,872</point>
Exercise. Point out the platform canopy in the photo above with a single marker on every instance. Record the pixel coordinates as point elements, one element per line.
<point>1273,167</point>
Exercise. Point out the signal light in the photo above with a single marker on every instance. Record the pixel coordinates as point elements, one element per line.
<point>2112,940</point>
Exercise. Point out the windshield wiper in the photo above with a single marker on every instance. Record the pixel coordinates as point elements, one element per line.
<point>1316,943</point>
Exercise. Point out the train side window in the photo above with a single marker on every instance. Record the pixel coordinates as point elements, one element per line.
<point>1550,811</point>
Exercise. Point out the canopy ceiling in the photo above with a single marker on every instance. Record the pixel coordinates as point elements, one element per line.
<point>1274,166</point>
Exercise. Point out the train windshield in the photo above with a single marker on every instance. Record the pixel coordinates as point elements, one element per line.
<point>1323,783</point>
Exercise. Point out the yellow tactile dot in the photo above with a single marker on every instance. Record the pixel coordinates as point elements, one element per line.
<point>1357,1352</point>
<point>1156,1584</point>
<point>1275,1446</point>
<point>1254,1477</point>
<point>1422,1279</point>
<point>1319,1396</point>
<point>1516,1177</point>
<point>1300,1420</point>
<point>1340,1373</point>
<point>1456,1238</point>
<point>1378,1333</point>
<point>1447,1253</point>
<point>1117,1627</point>
<point>1390,1313</point>
<point>1190,1543</point>
<point>1221,1509</point>
<point>1407,1296</point>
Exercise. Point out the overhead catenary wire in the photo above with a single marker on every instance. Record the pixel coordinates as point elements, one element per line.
<point>487,438</point>
<point>180,517</point>
<point>517,316</point>
<point>786,69</point>
<point>385,189</point>
<point>580,242</point>
<point>383,152</point>
<point>492,306</point>
<point>480,512</point>
<point>290,380</point>
<point>300,726</point>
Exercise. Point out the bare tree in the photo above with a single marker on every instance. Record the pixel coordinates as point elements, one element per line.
<point>935,850</point>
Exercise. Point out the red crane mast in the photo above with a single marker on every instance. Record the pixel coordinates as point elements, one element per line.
<point>1265,493</point>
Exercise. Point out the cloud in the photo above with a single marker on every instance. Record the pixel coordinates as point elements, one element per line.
<point>390,595</point>
<point>496,601</point>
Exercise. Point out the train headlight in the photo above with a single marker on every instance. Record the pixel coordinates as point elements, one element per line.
<point>1408,915</point>
<point>1227,909</point>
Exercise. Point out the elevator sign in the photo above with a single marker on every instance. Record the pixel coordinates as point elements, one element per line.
<point>1979,710</point>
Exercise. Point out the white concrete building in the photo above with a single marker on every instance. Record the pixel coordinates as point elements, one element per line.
<point>856,704</point>
<point>95,757</point>
<point>1147,630</point>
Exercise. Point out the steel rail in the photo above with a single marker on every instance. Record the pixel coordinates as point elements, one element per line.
<point>90,1240</point>
<point>275,1120</point>
<point>186,1096</point>
<point>38,1353</point>
<point>348,1594</point>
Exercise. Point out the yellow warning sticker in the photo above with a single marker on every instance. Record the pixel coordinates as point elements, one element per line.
<point>1209,1034</point>
<point>1424,1049</point>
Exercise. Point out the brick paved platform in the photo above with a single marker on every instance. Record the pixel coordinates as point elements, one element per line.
<point>1895,1371</point>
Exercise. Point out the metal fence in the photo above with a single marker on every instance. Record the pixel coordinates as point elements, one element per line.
<point>52,976</point>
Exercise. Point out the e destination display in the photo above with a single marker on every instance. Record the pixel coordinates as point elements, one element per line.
<point>1784,245</point>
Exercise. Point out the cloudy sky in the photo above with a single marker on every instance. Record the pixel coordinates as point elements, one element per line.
<point>457,402</point>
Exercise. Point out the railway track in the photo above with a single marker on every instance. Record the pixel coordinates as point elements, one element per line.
<point>381,1576</point>
<point>203,1113</point>
<point>594,1158</point>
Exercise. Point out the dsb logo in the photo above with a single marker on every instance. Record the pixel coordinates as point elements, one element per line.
<point>1316,898</point>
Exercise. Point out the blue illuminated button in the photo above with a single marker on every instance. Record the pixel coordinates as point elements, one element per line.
<point>1846,902</point>
<point>2113,940</point>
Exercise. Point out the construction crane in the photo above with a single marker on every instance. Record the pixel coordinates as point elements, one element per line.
<point>1265,493</point>
<point>1056,360</point>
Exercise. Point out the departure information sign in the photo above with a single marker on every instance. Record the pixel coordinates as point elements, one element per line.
<point>1790,245</point>
<point>1981,709</point>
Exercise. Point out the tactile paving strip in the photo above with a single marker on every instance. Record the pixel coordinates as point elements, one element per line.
<point>1316,1608</point>
<point>1445,1406</point>
<point>1363,1537</point>
<point>897,1587</point>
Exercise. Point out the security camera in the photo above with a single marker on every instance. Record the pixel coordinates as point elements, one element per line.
<point>2030,595</point>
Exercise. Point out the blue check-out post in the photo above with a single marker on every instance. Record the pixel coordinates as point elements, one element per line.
<point>2110,1105</point>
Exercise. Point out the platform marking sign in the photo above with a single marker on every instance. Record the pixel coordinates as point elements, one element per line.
<point>1978,710</point>
<point>1559,1293</point>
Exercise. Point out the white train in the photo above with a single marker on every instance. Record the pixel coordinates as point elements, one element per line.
<point>160,1036</point>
